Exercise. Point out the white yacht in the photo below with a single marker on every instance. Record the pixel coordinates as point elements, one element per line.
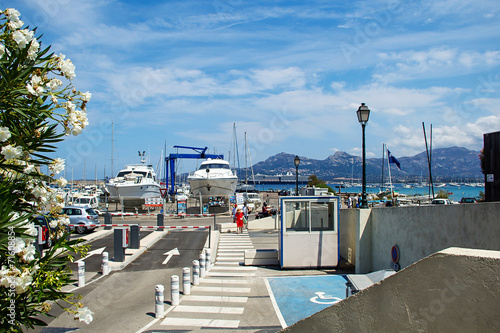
<point>213,178</point>
<point>134,184</point>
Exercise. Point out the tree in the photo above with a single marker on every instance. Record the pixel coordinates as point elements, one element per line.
<point>38,107</point>
<point>315,181</point>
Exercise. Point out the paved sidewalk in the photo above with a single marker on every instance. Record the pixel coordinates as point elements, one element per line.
<point>231,297</point>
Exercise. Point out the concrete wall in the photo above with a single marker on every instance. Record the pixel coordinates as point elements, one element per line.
<point>418,232</point>
<point>456,290</point>
<point>347,234</point>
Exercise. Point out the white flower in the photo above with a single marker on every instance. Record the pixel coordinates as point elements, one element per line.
<point>35,88</point>
<point>64,220</point>
<point>54,84</point>
<point>70,107</point>
<point>17,245</point>
<point>23,281</point>
<point>76,130</point>
<point>12,14</point>
<point>7,276</point>
<point>53,99</point>
<point>2,50</point>
<point>4,134</point>
<point>14,25</point>
<point>53,224</point>
<point>33,50</point>
<point>57,165</point>
<point>11,152</point>
<point>85,315</point>
<point>28,253</point>
<point>22,37</point>
<point>31,229</point>
<point>86,96</point>
<point>61,182</point>
<point>65,66</point>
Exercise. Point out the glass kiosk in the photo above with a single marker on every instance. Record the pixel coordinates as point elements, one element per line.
<point>309,232</point>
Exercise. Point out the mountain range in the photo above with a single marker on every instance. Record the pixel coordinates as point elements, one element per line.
<point>448,164</point>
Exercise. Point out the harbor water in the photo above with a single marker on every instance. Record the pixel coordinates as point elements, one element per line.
<point>455,193</point>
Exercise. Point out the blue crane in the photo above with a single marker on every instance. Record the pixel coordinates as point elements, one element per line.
<point>170,160</point>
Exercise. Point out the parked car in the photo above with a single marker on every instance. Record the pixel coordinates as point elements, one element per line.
<point>441,202</point>
<point>283,193</point>
<point>44,222</point>
<point>84,217</point>
<point>468,200</point>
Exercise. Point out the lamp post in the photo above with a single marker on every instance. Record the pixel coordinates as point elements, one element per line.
<point>296,161</point>
<point>363,115</point>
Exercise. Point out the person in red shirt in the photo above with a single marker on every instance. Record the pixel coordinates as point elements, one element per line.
<point>239,221</point>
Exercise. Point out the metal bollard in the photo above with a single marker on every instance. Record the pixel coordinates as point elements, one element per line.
<point>207,259</point>
<point>81,274</point>
<point>159,221</point>
<point>202,265</point>
<point>105,263</point>
<point>135,241</point>
<point>186,281</point>
<point>196,272</point>
<point>107,220</point>
<point>174,287</point>
<point>159,305</point>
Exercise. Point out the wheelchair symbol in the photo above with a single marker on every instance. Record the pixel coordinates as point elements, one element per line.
<point>321,298</point>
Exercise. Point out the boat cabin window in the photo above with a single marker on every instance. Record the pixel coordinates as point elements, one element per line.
<point>123,173</point>
<point>214,166</point>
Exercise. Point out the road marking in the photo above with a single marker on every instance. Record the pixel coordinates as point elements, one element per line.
<point>227,281</point>
<point>201,322</point>
<point>208,309</point>
<point>212,273</point>
<point>235,242</point>
<point>231,250</point>
<point>223,289</point>
<point>91,253</point>
<point>230,262</point>
<point>230,254</point>
<point>228,299</point>
<point>170,254</point>
<point>235,246</point>
<point>229,268</point>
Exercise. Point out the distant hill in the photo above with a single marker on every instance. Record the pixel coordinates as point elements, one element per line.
<point>448,164</point>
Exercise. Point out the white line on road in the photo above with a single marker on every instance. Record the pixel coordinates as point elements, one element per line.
<point>201,322</point>
<point>209,309</point>
<point>228,299</point>
<point>223,289</point>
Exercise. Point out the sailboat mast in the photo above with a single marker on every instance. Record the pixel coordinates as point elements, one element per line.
<point>383,167</point>
<point>246,177</point>
<point>112,145</point>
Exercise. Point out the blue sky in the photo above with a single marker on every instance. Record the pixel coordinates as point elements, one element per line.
<point>291,74</point>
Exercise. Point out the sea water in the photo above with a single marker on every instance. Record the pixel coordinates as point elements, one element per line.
<point>455,193</point>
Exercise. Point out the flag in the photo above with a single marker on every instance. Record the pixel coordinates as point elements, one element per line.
<point>393,159</point>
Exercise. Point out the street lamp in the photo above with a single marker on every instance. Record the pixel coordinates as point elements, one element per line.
<point>363,115</point>
<point>296,161</point>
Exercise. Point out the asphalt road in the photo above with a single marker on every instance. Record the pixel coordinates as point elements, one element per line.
<point>105,244</point>
<point>124,300</point>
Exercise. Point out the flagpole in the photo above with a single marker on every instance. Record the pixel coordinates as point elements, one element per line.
<point>383,166</point>
<point>390,179</point>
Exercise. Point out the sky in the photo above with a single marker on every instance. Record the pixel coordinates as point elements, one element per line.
<point>289,74</point>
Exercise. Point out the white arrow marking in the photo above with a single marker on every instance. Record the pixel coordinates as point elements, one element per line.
<point>170,254</point>
<point>91,253</point>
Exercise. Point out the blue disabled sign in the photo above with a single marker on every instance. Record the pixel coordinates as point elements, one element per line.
<point>298,297</point>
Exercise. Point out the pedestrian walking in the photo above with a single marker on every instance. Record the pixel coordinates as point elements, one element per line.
<point>239,221</point>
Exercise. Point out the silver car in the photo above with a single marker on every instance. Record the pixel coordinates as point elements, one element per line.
<point>85,218</point>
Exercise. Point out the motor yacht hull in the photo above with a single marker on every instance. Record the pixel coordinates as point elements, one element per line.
<point>213,186</point>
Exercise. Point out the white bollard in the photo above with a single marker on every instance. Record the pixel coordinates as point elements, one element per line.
<point>186,281</point>
<point>202,265</point>
<point>81,274</point>
<point>159,305</point>
<point>105,263</point>
<point>207,259</point>
<point>196,272</point>
<point>175,289</point>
